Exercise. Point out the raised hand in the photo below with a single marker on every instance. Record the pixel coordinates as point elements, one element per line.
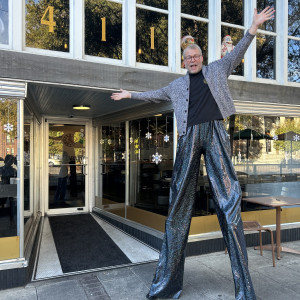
<point>120,95</point>
<point>259,19</point>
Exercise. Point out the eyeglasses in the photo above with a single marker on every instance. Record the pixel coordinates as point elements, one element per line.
<point>195,57</point>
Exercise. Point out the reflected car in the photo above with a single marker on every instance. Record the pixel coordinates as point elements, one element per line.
<point>54,162</point>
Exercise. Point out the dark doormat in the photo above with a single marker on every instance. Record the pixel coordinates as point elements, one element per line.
<point>82,244</point>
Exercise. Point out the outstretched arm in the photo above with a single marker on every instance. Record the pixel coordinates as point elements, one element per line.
<point>120,95</point>
<point>259,19</point>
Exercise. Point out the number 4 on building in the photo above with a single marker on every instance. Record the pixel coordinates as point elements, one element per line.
<point>50,22</point>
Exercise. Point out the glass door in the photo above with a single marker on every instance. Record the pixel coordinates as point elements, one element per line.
<point>67,165</point>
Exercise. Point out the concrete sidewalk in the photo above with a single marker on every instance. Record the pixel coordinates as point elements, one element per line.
<point>206,277</point>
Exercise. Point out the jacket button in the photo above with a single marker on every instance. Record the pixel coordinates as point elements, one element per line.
<point>187,89</point>
<point>187,99</point>
<point>185,111</point>
<point>184,121</point>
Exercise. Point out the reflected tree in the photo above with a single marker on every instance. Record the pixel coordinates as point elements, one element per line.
<point>37,34</point>
<point>111,44</point>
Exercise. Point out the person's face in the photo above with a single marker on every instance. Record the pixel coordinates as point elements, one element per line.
<point>193,61</point>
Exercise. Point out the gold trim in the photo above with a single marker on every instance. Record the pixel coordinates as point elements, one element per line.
<point>9,247</point>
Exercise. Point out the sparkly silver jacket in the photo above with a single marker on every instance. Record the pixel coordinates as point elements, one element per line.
<point>216,74</point>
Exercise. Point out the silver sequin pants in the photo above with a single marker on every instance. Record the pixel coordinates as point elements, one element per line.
<point>211,140</point>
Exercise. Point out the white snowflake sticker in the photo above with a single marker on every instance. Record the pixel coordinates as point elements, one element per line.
<point>157,158</point>
<point>149,135</point>
<point>275,137</point>
<point>8,127</point>
<point>296,137</point>
<point>166,138</point>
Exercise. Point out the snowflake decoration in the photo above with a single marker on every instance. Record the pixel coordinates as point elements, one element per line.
<point>109,141</point>
<point>8,127</point>
<point>81,130</point>
<point>102,141</point>
<point>157,158</point>
<point>123,155</point>
<point>296,137</point>
<point>131,140</point>
<point>275,137</point>
<point>82,134</point>
<point>239,157</point>
<point>149,135</point>
<point>166,138</point>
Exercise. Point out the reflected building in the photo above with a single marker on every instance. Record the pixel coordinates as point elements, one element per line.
<point>76,151</point>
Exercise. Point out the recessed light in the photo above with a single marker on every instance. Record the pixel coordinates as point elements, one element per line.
<point>81,107</point>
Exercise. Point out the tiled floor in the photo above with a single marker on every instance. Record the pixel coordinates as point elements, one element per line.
<point>48,262</point>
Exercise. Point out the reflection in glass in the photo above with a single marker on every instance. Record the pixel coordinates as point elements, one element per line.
<point>8,167</point>
<point>293,61</point>
<point>112,169</point>
<point>163,4</point>
<point>232,11</point>
<point>150,178</point>
<point>4,22</point>
<point>270,24</point>
<point>103,29</point>
<point>198,30</point>
<point>47,24</point>
<point>236,36</point>
<point>294,18</point>
<point>67,164</point>
<point>151,37</point>
<point>265,55</point>
<point>198,8</point>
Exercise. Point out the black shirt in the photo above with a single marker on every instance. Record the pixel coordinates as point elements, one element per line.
<point>202,105</point>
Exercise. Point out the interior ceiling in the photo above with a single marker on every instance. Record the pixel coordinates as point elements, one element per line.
<point>58,101</point>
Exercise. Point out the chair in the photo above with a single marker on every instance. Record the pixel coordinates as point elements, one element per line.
<point>255,226</point>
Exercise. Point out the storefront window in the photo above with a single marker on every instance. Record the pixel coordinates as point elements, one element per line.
<point>9,175</point>
<point>293,41</point>
<point>103,29</point>
<point>151,162</point>
<point>232,11</point>
<point>47,24</point>
<point>151,37</point>
<point>197,8</point>
<point>4,22</point>
<point>231,36</point>
<point>270,24</point>
<point>111,193</point>
<point>199,31</point>
<point>265,56</point>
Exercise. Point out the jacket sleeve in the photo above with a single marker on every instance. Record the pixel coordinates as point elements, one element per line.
<point>153,96</point>
<point>232,59</point>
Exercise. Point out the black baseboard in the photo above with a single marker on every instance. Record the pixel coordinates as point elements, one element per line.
<point>17,277</point>
<point>196,247</point>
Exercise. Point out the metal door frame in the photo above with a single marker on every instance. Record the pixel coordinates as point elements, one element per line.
<point>45,182</point>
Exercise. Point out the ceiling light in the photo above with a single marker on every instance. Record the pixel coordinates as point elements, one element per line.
<point>81,107</point>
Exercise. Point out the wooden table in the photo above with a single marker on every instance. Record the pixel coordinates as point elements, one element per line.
<point>276,202</point>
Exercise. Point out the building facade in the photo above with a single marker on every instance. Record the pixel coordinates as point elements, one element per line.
<point>66,147</point>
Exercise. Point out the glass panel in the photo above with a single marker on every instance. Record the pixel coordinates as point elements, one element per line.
<point>294,18</point>
<point>151,162</point>
<point>293,61</point>
<point>265,56</point>
<point>67,164</point>
<point>266,158</point>
<point>47,24</point>
<point>151,37</point>
<point>154,3</point>
<point>4,22</point>
<point>103,29</point>
<point>199,31</point>
<point>232,11</point>
<point>8,167</point>
<point>231,36</point>
<point>262,4</point>
<point>198,8</point>
<point>111,195</point>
